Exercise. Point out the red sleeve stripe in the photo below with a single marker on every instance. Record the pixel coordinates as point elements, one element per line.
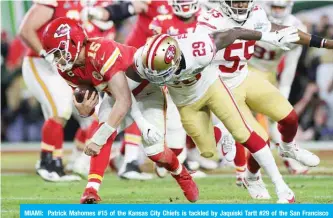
<point>207,24</point>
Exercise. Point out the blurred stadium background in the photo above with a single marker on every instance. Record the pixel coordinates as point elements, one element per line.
<point>22,119</point>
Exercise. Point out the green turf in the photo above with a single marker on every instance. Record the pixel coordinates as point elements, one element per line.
<point>215,189</point>
<point>26,187</point>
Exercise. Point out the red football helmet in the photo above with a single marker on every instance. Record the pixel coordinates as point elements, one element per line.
<point>63,38</point>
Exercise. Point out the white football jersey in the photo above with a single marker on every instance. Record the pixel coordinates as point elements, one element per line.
<point>198,51</point>
<point>267,56</point>
<point>231,62</point>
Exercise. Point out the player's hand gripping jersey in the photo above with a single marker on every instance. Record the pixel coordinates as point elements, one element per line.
<point>189,84</point>
<point>231,62</point>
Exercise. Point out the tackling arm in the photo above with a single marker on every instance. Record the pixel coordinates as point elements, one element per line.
<point>308,39</point>
<point>225,38</point>
<point>36,17</point>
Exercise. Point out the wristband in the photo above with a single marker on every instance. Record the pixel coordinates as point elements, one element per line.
<point>102,134</point>
<point>317,41</point>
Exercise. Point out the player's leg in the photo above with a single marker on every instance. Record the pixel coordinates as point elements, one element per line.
<point>225,108</point>
<point>99,163</point>
<point>154,110</point>
<point>267,99</point>
<point>55,96</point>
<point>130,168</point>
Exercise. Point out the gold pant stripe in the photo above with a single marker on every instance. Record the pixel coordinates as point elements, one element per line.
<point>44,87</point>
<point>57,153</point>
<point>47,147</point>
<point>95,176</point>
<point>131,138</point>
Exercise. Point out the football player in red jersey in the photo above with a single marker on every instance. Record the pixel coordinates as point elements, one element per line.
<point>44,83</point>
<point>146,11</point>
<point>102,63</point>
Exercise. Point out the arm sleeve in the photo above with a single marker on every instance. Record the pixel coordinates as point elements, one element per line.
<point>120,11</point>
<point>288,74</point>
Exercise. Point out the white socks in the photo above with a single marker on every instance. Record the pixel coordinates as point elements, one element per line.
<point>266,160</point>
<point>131,153</point>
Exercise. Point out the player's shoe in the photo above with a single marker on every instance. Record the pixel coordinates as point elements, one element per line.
<point>72,158</point>
<point>193,168</point>
<point>305,157</point>
<point>198,174</point>
<point>191,165</point>
<point>160,171</point>
<point>256,188</point>
<point>58,174</point>
<point>228,147</point>
<point>44,166</point>
<point>193,155</point>
<point>81,165</point>
<point>187,184</point>
<point>294,167</point>
<point>285,195</point>
<point>90,196</point>
<point>132,171</point>
<point>239,178</point>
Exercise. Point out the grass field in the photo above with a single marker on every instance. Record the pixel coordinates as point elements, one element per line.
<point>20,185</point>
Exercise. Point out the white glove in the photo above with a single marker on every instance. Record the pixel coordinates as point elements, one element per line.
<point>281,37</point>
<point>48,57</point>
<point>149,132</point>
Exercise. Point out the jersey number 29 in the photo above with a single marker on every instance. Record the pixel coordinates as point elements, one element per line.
<point>198,49</point>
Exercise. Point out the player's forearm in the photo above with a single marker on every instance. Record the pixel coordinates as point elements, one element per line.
<point>119,111</point>
<point>30,37</point>
<point>308,39</point>
<point>226,38</point>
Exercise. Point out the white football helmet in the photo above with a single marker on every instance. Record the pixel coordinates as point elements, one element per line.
<point>277,11</point>
<point>236,13</point>
<point>184,8</point>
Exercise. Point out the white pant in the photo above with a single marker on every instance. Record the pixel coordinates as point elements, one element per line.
<point>175,133</point>
<point>52,92</point>
<point>151,102</point>
<point>50,89</point>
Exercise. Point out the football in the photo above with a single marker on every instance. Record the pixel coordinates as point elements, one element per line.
<point>81,90</point>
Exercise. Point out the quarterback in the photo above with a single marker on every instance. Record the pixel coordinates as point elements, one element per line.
<point>179,63</point>
<point>102,63</point>
<point>252,92</point>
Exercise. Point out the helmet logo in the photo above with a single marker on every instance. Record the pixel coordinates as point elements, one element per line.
<point>63,30</point>
<point>170,54</point>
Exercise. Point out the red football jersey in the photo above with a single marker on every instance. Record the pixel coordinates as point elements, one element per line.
<point>68,8</point>
<point>141,32</point>
<point>172,25</point>
<point>104,58</point>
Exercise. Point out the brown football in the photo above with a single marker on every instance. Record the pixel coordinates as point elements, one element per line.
<point>80,91</point>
